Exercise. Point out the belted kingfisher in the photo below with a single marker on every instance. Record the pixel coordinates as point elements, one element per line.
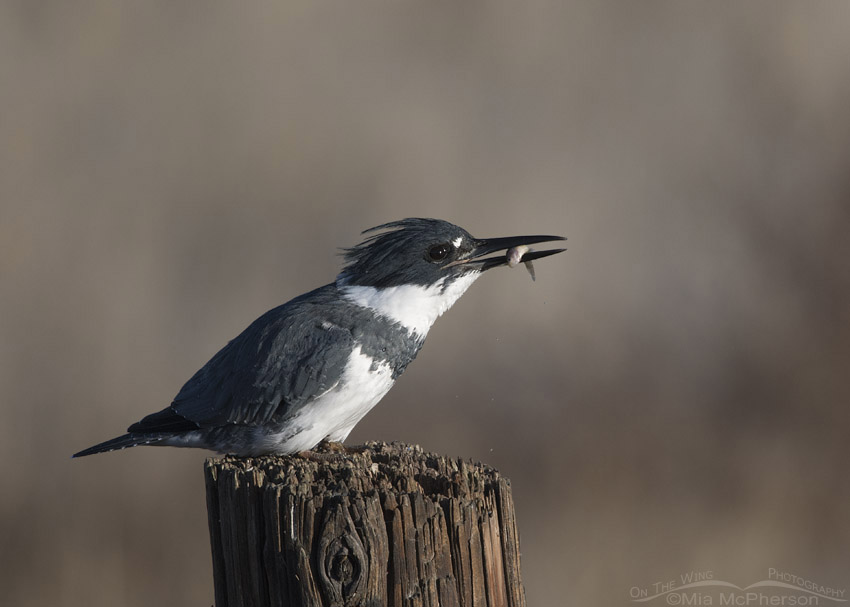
<point>310,369</point>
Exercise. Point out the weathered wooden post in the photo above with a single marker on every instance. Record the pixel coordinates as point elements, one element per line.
<point>388,526</point>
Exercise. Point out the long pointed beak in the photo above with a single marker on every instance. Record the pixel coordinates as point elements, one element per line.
<point>478,261</point>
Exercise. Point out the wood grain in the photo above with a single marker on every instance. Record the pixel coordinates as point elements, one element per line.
<point>389,525</point>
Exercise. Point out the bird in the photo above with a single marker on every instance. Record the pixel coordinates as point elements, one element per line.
<point>307,371</point>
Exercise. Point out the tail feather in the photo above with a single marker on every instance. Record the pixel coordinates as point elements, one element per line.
<point>122,442</point>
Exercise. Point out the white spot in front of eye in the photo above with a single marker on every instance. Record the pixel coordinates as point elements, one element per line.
<point>456,242</point>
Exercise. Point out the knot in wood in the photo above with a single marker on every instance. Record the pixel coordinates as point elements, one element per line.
<point>342,558</point>
<point>342,568</point>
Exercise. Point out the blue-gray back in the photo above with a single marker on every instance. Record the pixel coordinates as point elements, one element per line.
<point>288,356</point>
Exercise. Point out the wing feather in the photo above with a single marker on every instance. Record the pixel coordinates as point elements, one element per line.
<point>284,359</point>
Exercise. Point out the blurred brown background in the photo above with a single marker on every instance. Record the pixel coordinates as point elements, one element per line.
<point>671,394</point>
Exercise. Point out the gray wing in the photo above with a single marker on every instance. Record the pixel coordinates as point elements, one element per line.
<point>280,362</point>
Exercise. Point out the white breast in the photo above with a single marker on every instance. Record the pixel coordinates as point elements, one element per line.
<point>415,307</point>
<point>334,414</point>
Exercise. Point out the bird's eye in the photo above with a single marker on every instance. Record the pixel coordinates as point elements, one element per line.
<point>439,252</point>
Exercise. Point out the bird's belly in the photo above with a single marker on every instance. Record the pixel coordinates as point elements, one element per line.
<point>334,413</point>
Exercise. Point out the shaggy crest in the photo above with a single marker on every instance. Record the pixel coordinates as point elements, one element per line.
<point>375,260</point>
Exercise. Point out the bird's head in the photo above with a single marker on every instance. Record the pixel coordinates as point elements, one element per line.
<point>413,270</point>
<point>427,252</point>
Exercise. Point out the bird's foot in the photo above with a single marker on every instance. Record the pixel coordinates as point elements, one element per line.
<point>328,446</point>
<point>330,451</point>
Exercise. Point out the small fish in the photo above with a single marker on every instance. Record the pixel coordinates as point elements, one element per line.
<point>514,256</point>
